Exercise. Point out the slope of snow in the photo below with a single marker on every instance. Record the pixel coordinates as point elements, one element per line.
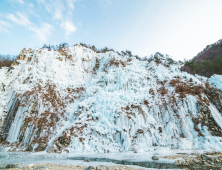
<point>97,102</point>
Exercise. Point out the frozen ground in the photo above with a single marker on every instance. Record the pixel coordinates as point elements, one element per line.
<point>96,159</point>
<point>67,159</point>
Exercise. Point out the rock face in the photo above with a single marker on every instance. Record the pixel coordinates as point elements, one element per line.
<point>77,100</point>
<point>215,96</point>
<point>208,120</point>
<point>9,166</point>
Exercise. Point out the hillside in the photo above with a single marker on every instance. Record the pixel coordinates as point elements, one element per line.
<point>210,53</point>
<point>207,62</point>
<point>77,100</point>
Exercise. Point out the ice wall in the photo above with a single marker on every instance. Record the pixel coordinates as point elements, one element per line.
<point>77,100</point>
<point>11,112</point>
<point>216,80</point>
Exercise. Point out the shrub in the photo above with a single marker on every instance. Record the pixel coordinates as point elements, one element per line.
<point>84,45</point>
<point>118,53</point>
<point>104,50</point>
<point>117,63</point>
<point>180,88</point>
<point>151,91</point>
<point>129,53</point>
<point>162,90</point>
<point>197,90</point>
<point>123,53</point>
<point>173,82</point>
<point>207,84</point>
<point>182,95</point>
<point>146,102</point>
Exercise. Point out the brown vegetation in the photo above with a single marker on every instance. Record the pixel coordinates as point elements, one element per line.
<point>128,111</point>
<point>207,84</point>
<point>5,63</point>
<point>151,91</point>
<point>173,82</point>
<point>64,52</point>
<point>96,66</point>
<point>117,63</point>
<point>162,90</point>
<point>146,102</point>
<point>183,88</point>
<point>103,50</point>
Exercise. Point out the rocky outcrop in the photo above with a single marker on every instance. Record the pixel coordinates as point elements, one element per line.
<point>215,96</point>
<point>208,120</point>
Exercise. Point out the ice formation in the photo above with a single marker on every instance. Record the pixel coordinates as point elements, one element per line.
<point>216,80</point>
<point>77,100</point>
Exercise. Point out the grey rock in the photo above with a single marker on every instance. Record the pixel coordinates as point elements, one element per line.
<point>155,157</point>
<point>178,162</point>
<point>90,168</point>
<point>207,157</point>
<point>12,166</point>
<point>40,168</point>
<point>87,160</point>
<point>196,161</point>
<point>204,157</point>
<point>2,166</point>
<point>102,167</point>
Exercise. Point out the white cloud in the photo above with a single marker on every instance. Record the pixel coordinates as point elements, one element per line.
<point>62,12</point>
<point>31,5</point>
<point>58,14</point>
<point>41,1</point>
<point>70,3</point>
<point>21,1</point>
<point>109,1</point>
<point>21,20</point>
<point>12,18</point>
<point>69,27</point>
<point>4,25</point>
<point>43,32</point>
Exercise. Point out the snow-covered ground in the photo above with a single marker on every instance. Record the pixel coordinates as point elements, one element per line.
<point>77,101</point>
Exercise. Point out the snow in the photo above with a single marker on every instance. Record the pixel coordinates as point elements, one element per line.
<point>111,104</point>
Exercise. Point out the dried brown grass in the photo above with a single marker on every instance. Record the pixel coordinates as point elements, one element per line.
<point>146,102</point>
<point>162,90</point>
<point>5,63</point>
<point>117,63</point>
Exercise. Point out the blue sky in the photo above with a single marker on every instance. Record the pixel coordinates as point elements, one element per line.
<point>180,28</point>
